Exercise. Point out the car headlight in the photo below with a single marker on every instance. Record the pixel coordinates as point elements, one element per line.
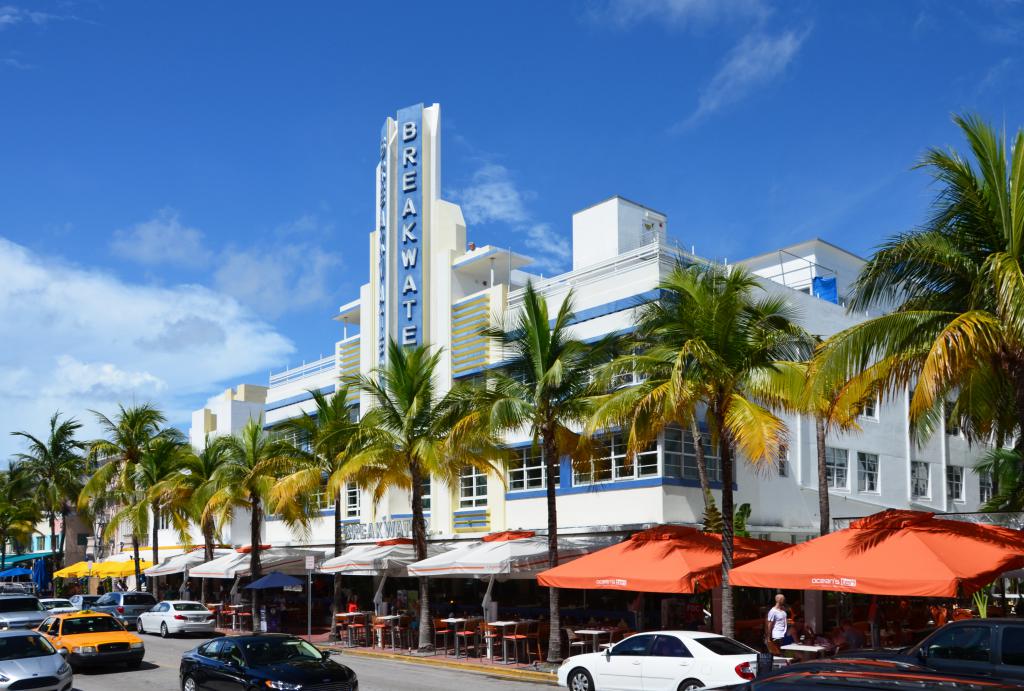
<point>283,685</point>
<point>84,649</point>
<point>64,669</point>
<point>136,646</point>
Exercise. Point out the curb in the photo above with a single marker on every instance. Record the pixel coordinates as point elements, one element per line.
<point>516,674</point>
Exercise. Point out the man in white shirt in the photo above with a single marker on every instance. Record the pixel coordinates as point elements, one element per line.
<point>776,624</point>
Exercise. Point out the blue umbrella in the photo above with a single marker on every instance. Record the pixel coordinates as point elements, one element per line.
<point>274,579</point>
<point>16,571</point>
<point>41,575</point>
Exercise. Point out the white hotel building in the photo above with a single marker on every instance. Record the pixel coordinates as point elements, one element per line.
<point>427,284</point>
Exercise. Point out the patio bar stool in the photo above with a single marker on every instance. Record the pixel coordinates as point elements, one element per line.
<point>441,629</point>
<point>357,630</point>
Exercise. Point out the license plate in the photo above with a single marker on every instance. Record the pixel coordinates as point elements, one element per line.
<point>200,618</point>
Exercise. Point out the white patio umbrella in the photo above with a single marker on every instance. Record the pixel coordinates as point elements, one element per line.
<point>184,562</point>
<point>511,554</point>
<point>387,557</point>
<point>289,560</point>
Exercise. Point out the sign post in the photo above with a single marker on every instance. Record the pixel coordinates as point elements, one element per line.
<point>310,565</point>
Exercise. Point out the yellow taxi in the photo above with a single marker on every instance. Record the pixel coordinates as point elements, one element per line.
<point>93,638</point>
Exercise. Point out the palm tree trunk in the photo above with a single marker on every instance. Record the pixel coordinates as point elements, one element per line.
<point>207,553</point>
<point>155,509</point>
<point>135,554</point>
<point>419,538</point>
<point>725,452</point>
<point>702,464</point>
<point>255,570</point>
<point>825,520</point>
<point>53,532</point>
<point>58,557</point>
<point>551,460</point>
<point>339,545</point>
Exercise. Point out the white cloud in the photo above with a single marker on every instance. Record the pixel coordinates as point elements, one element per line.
<point>276,279</point>
<point>679,13</point>
<point>75,339</point>
<point>552,249</point>
<point>11,15</point>
<point>16,63</point>
<point>756,60</point>
<point>161,240</point>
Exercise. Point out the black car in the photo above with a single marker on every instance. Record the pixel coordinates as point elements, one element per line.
<point>987,647</point>
<point>870,675</point>
<point>274,661</point>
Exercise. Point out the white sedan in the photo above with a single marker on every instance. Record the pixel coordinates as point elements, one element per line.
<point>176,616</point>
<point>57,605</point>
<point>661,661</point>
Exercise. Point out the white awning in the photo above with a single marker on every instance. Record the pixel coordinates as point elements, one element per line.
<point>390,557</point>
<point>501,555</point>
<point>146,553</point>
<point>186,560</point>
<point>290,560</point>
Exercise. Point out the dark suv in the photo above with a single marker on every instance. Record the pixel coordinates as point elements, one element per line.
<point>126,607</point>
<point>988,647</point>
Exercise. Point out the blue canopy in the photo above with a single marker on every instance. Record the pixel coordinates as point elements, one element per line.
<point>274,579</point>
<point>16,571</point>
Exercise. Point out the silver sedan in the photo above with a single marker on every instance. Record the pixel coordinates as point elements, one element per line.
<point>28,661</point>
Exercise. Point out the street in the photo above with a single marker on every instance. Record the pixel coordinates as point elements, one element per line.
<point>159,672</point>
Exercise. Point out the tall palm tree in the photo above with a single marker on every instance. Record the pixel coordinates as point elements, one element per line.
<point>57,464</point>
<point>953,290</point>
<point>189,489</point>
<point>736,354</point>
<point>411,434</point>
<point>19,510</point>
<point>544,389</point>
<point>129,435</point>
<point>163,459</point>
<point>323,442</point>
<point>254,461</point>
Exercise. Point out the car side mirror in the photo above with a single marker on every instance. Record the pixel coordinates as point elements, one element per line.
<point>63,652</point>
<point>922,654</point>
<point>608,654</point>
<point>325,654</point>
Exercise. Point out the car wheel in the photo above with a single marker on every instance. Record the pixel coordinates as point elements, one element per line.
<point>163,629</point>
<point>691,685</point>
<point>580,680</point>
<point>189,684</point>
<point>138,626</point>
<point>135,664</point>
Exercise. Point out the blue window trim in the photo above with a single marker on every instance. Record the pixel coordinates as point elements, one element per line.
<point>298,398</point>
<point>320,514</point>
<point>401,516</point>
<point>565,486</point>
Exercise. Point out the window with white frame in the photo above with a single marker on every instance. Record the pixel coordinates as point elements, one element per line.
<point>837,468</point>
<point>680,455</point>
<point>952,424</point>
<point>783,461</point>
<point>425,493</point>
<point>870,410</point>
<point>526,469</point>
<point>165,520</point>
<point>472,488</point>
<point>920,480</point>
<point>867,472</point>
<point>955,482</point>
<point>612,462</point>
<point>352,500</point>
<point>986,486</point>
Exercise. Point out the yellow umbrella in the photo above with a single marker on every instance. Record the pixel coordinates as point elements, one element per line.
<point>74,571</point>
<point>119,569</point>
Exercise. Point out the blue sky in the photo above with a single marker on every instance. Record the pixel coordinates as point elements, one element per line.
<point>187,187</point>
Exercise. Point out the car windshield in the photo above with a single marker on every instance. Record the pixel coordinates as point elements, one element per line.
<point>20,647</point>
<point>269,651</point>
<point>139,599</point>
<point>77,625</point>
<point>50,604</point>
<point>189,607</point>
<point>20,604</point>
<point>720,645</point>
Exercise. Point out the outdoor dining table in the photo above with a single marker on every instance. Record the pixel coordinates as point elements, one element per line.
<point>455,621</point>
<point>595,634</point>
<point>504,650</point>
<point>801,649</point>
<point>387,619</point>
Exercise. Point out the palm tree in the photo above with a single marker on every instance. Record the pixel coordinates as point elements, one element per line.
<point>544,389</point>
<point>735,354</point>
<point>954,291</point>
<point>58,467</point>
<point>18,509</point>
<point>163,459</point>
<point>323,442</point>
<point>188,492</point>
<point>111,487</point>
<point>411,434</point>
<point>254,460</point>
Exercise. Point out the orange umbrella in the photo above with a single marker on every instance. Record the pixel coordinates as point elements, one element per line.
<point>666,559</point>
<point>894,552</point>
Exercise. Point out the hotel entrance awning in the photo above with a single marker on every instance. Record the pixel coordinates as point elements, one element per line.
<point>386,557</point>
<point>512,554</point>
<point>290,560</point>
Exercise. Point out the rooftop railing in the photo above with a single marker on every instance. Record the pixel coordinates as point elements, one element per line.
<point>307,369</point>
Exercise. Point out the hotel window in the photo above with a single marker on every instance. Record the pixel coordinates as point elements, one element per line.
<point>165,520</point>
<point>867,472</point>
<point>920,480</point>
<point>40,543</point>
<point>425,493</point>
<point>614,463</point>
<point>526,470</point>
<point>985,486</point>
<point>870,410</point>
<point>472,488</point>
<point>680,455</point>
<point>955,483</point>
<point>783,462</point>
<point>952,425</point>
<point>837,468</point>
<point>352,499</point>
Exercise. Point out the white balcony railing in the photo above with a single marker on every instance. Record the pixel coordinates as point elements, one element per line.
<point>307,369</point>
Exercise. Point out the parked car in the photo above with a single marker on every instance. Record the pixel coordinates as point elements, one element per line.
<point>992,647</point>
<point>669,660</point>
<point>84,601</point>
<point>29,661</point>
<point>57,605</point>
<point>20,612</point>
<point>275,661</point>
<point>851,674</point>
<point>125,606</point>
<point>93,638</point>
<point>176,616</point>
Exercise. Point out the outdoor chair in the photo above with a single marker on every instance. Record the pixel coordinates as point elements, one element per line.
<point>441,629</point>
<point>614,636</point>
<point>380,626</point>
<point>533,641</point>
<point>961,613</point>
<point>492,638</point>
<point>469,636</point>
<point>357,630</point>
<point>517,636</point>
<point>400,630</point>
<point>575,642</point>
